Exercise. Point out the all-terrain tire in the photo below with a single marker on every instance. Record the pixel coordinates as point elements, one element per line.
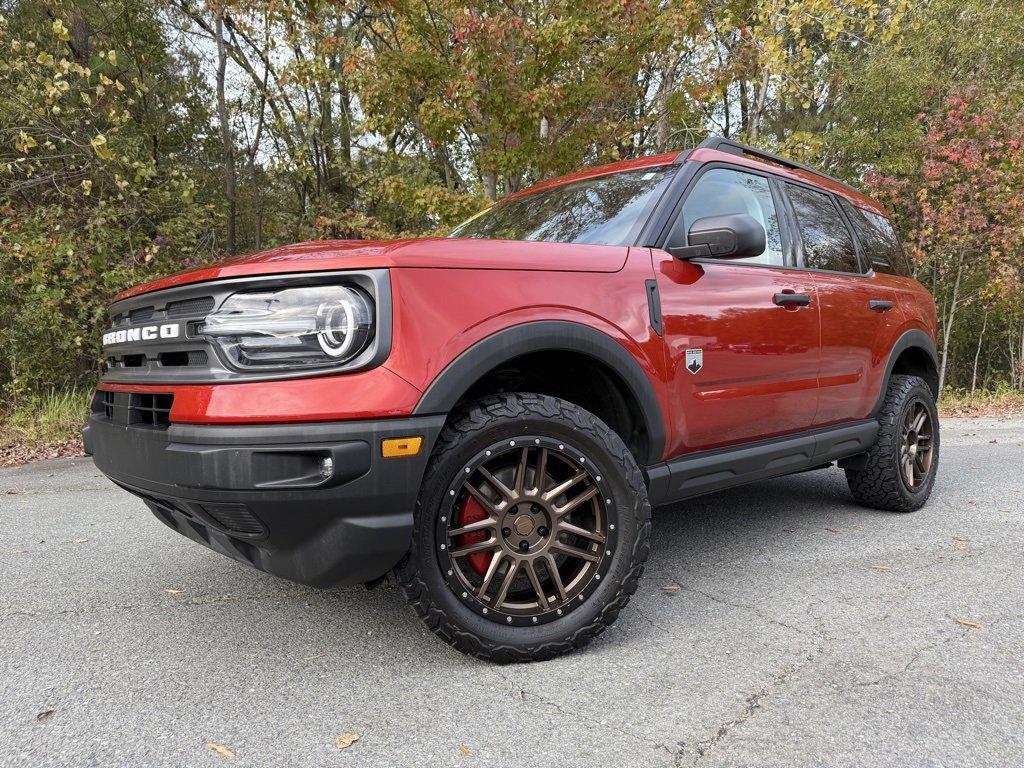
<point>469,431</point>
<point>880,483</point>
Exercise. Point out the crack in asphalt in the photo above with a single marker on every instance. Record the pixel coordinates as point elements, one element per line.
<point>753,703</point>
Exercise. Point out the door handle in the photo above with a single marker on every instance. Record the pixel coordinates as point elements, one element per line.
<point>792,299</point>
<point>879,305</point>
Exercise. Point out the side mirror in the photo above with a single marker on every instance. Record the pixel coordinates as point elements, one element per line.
<point>733,236</point>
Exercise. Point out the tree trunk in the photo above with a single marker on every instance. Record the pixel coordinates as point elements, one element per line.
<point>225,134</point>
<point>664,124</point>
<point>948,325</point>
<point>977,353</point>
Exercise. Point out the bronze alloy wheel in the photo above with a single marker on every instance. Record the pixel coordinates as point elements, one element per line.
<point>527,531</point>
<point>916,448</point>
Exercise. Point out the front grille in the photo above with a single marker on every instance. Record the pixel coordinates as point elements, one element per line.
<point>141,315</point>
<point>183,358</point>
<point>198,306</point>
<point>144,409</point>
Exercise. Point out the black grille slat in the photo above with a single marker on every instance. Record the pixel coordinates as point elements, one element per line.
<point>141,315</point>
<point>183,358</point>
<point>235,517</point>
<point>185,307</point>
<point>145,409</point>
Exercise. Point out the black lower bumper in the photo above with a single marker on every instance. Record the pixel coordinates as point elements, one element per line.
<point>265,495</point>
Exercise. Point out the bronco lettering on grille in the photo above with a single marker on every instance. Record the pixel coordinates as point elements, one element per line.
<point>142,333</point>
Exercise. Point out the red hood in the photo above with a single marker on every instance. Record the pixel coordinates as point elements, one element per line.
<point>430,253</point>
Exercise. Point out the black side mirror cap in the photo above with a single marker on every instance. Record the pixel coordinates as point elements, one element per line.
<point>733,236</point>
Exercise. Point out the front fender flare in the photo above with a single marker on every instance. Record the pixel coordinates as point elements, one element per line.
<point>544,336</point>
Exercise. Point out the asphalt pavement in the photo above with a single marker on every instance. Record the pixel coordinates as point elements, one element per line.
<point>777,624</point>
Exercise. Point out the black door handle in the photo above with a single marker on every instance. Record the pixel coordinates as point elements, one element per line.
<point>879,305</point>
<point>796,299</point>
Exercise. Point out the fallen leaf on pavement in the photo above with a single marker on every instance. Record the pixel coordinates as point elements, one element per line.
<point>346,740</point>
<point>220,749</point>
<point>174,591</point>
<point>671,588</point>
<point>967,623</point>
<point>465,751</point>
<point>832,530</point>
<point>960,537</point>
<point>11,491</point>
<point>80,541</point>
<point>21,551</point>
<point>881,568</point>
<point>44,715</point>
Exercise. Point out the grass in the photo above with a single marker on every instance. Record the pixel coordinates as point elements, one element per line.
<point>45,424</point>
<point>998,402</point>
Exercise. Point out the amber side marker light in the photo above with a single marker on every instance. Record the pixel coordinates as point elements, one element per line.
<point>396,447</point>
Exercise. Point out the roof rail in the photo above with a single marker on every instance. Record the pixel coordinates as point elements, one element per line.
<point>735,148</point>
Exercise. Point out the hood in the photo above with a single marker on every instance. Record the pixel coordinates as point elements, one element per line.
<point>427,253</point>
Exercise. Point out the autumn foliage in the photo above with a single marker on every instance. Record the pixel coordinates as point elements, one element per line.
<point>139,137</point>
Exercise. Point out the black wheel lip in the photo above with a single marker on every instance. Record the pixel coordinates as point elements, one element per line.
<point>929,406</point>
<point>445,561</point>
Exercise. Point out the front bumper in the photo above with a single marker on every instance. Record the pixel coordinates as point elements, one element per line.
<point>256,493</point>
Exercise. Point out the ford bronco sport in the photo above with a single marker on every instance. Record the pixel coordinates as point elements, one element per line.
<point>491,416</point>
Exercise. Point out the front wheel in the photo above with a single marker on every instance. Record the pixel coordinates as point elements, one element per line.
<point>531,531</point>
<point>900,467</point>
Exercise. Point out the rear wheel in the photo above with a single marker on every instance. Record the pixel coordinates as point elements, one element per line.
<point>899,470</point>
<point>531,532</point>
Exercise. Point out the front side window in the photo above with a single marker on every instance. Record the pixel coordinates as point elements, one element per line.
<point>604,210</point>
<point>723,191</point>
<point>881,245</point>
<point>827,242</point>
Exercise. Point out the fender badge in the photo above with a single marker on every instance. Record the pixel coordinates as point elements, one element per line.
<point>694,360</point>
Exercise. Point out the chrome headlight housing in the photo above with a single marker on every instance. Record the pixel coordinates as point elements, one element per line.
<point>302,328</point>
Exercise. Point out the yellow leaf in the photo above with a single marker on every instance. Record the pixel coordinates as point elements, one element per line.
<point>174,591</point>
<point>99,145</point>
<point>87,186</point>
<point>220,749</point>
<point>24,142</point>
<point>60,30</point>
<point>465,751</point>
<point>346,740</point>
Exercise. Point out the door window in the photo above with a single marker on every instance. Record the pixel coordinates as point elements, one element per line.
<point>723,191</point>
<point>877,236</point>
<point>826,240</point>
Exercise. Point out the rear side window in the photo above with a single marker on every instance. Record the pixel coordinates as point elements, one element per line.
<point>877,236</point>
<point>826,240</point>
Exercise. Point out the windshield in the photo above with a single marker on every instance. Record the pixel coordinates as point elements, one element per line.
<point>605,210</point>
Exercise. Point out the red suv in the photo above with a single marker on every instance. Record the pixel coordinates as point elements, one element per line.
<point>491,416</point>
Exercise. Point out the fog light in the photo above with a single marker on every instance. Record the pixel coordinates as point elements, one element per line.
<point>326,467</point>
<point>395,447</point>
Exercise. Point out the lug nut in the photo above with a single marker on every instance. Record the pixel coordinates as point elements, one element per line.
<point>542,531</point>
<point>506,532</point>
<point>524,545</point>
<point>535,509</point>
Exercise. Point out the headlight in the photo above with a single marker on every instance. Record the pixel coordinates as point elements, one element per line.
<point>312,327</point>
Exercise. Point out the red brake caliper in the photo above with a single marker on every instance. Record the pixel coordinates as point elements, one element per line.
<point>471,512</point>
